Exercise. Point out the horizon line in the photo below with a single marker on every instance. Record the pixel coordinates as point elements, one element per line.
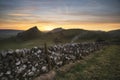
<point>56,28</point>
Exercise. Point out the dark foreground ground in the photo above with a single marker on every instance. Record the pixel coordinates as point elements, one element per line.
<point>102,65</point>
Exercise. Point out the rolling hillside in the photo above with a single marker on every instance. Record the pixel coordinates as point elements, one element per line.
<point>34,37</point>
<point>6,33</point>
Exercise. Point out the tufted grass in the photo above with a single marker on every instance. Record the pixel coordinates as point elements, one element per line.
<point>102,65</point>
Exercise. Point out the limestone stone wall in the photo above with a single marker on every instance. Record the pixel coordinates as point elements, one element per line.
<point>26,64</point>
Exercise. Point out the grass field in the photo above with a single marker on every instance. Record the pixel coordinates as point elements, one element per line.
<point>102,65</point>
<point>65,36</point>
<point>12,44</point>
<point>23,44</point>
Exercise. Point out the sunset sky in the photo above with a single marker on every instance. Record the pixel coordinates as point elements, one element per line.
<point>50,14</point>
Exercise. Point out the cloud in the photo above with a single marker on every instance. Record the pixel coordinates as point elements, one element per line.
<point>59,11</point>
<point>19,15</point>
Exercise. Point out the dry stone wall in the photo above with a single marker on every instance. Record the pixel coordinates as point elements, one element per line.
<point>26,64</point>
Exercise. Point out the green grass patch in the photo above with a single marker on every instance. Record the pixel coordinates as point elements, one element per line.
<point>9,44</point>
<point>102,65</point>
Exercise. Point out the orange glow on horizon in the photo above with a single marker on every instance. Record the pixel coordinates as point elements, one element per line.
<point>50,14</point>
<point>47,27</point>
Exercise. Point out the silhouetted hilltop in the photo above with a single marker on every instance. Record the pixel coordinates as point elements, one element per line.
<point>29,34</point>
<point>56,30</point>
<point>65,35</point>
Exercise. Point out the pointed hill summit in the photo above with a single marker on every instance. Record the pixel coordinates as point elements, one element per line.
<point>29,34</point>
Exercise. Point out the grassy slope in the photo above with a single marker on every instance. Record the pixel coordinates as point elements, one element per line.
<point>23,44</point>
<point>103,65</point>
<point>64,36</point>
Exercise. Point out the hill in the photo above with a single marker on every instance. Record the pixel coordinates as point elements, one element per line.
<point>6,33</point>
<point>66,35</point>
<point>29,34</point>
<point>34,37</point>
<point>56,30</point>
<point>74,35</point>
<point>114,33</point>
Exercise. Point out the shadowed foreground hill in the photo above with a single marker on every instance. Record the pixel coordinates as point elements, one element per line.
<point>103,65</point>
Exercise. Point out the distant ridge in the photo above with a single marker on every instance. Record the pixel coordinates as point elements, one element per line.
<point>56,30</point>
<point>29,34</point>
<point>6,33</point>
<point>70,35</point>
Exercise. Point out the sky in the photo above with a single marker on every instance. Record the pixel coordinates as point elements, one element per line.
<point>49,14</point>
